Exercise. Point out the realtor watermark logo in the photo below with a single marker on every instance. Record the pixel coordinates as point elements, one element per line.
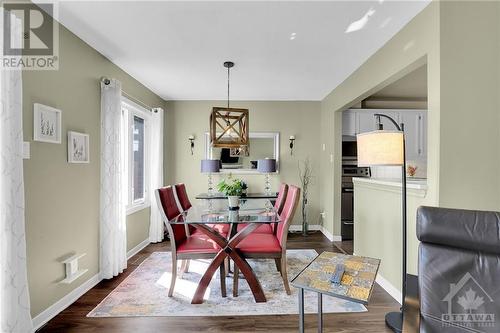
<point>468,304</point>
<point>30,38</point>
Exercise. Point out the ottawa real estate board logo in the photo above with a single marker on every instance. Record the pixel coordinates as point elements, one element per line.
<point>469,305</point>
<point>30,38</point>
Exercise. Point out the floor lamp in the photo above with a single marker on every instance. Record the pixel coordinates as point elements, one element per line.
<point>387,148</point>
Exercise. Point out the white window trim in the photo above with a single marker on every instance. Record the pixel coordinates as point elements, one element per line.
<point>135,109</point>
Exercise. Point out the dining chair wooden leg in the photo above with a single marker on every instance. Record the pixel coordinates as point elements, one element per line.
<point>284,275</point>
<point>223,280</point>
<point>174,275</point>
<point>278,264</point>
<point>236,277</point>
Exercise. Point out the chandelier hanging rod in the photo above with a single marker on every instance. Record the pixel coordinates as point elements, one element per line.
<point>228,65</point>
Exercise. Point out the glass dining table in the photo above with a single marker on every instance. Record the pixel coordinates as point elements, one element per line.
<point>203,215</point>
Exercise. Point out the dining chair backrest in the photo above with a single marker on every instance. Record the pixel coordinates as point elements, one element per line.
<point>280,200</point>
<point>286,216</point>
<point>180,189</point>
<point>167,205</point>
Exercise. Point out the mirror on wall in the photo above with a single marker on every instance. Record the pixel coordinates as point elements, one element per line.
<point>262,145</point>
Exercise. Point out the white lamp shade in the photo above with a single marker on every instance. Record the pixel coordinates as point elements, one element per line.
<point>380,148</point>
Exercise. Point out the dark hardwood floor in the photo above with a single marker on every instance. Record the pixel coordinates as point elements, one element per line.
<point>345,246</point>
<point>74,319</point>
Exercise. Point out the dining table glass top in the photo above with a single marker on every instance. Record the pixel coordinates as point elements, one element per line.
<point>218,212</point>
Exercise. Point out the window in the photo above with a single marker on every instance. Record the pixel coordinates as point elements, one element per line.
<point>136,151</point>
<point>138,147</point>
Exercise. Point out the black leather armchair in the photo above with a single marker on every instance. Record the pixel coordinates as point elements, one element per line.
<point>458,272</point>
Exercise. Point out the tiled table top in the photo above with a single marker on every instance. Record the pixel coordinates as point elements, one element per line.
<point>357,281</point>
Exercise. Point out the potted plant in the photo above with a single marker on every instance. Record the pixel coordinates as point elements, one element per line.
<point>233,189</point>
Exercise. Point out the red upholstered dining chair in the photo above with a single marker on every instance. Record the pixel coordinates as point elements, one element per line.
<point>271,246</point>
<point>280,200</point>
<point>184,204</point>
<point>182,196</point>
<point>184,246</point>
<point>278,206</point>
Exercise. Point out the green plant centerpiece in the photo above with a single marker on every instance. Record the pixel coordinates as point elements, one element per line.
<point>233,189</point>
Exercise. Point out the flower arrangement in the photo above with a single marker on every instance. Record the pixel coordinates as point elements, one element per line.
<point>411,170</point>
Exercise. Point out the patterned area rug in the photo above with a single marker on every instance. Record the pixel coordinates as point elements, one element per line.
<point>144,291</point>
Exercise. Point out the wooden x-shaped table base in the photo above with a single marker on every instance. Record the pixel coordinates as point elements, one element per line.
<point>228,249</point>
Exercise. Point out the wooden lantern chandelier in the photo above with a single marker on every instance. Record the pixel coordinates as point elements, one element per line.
<point>229,126</point>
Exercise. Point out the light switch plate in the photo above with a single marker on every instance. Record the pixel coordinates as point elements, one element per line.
<point>26,150</point>
<point>331,158</point>
<point>323,146</point>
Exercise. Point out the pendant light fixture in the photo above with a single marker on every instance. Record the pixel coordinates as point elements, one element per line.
<point>229,126</point>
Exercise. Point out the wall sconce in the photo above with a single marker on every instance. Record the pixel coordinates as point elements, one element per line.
<point>292,140</point>
<point>191,140</point>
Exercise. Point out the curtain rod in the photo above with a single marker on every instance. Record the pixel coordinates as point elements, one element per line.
<point>107,81</point>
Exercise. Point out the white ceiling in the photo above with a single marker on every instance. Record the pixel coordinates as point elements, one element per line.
<point>177,48</point>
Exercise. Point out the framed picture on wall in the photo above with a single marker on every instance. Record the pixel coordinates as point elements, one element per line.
<point>46,124</point>
<point>78,147</point>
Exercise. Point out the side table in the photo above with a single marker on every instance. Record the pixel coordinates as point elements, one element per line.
<point>356,285</point>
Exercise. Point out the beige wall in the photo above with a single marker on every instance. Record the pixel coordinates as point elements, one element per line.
<point>470,111</point>
<point>301,119</point>
<point>62,200</point>
<point>137,227</point>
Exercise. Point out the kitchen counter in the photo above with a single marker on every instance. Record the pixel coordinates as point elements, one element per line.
<point>378,227</point>
<point>414,186</point>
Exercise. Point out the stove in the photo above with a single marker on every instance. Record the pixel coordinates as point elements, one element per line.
<point>347,198</point>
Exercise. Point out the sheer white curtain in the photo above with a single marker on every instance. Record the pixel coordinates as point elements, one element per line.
<point>14,297</point>
<point>113,233</point>
<point>156,178</point>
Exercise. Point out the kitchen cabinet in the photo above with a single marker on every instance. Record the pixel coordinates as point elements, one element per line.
<point>349,123</point>
<point>355,121</point>
<point>415,133</point>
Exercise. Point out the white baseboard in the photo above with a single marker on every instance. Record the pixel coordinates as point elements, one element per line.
<point>330,236</point>
<point>317,227</point>
<point>387,286</point>
<point>53,310</point>
<point>133,251</point>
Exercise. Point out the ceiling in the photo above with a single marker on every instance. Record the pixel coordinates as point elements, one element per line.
<point>411,86</point>
<point>298,50</point>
